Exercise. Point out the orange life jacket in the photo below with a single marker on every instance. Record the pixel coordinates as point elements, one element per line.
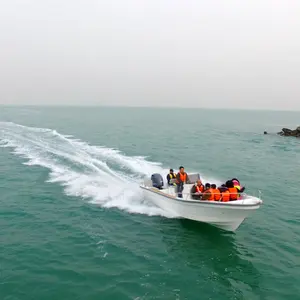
<point>182,177</point>
<point>225,196</point>
<point>199,189</point>
<point>211,196</point>
<point>217,194</point>
<point>238,188</point>
<point>233,193</point>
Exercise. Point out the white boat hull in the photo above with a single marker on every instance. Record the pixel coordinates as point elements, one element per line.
<point>224,215</point>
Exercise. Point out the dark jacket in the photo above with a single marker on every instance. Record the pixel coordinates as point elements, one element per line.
<point>193,193</point>
<point>169,178</point>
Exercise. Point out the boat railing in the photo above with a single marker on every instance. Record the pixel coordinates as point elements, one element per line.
<point>193,177</point>
<point>188,196</point>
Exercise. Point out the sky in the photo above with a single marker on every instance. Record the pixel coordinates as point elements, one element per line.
<point>188,53</point>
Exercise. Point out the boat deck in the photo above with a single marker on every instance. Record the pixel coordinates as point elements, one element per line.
<point>171,190</point>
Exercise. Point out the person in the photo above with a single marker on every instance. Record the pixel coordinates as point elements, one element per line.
<point>232,190</point>
<point>197,190</point>
<point>206,186</point>
<point>225,196</point>
<point>216,192</point>
<point>237,185</point>
<point>170,176</point>
<point>181,179</point>
<point>207,194</point>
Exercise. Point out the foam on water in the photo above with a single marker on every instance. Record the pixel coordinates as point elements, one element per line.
<point>102,175</point>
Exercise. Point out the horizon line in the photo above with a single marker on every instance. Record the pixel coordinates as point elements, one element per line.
<point>151,107</point>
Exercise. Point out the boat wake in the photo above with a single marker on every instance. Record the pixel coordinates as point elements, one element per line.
<point>101,175</point>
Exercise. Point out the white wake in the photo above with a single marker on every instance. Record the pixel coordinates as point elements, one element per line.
<point>101,175</point>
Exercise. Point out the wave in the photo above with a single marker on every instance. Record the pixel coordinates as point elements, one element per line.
<point>99,174</point>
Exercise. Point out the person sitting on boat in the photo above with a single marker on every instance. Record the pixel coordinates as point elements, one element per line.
<point>197,190</point>
<point>216,192</point>
<point>181,179</point>
<point>208,194</point>
<point>237,185</point>
<point>170,176</point>
<point>225,196</point>
<point>233,191</point>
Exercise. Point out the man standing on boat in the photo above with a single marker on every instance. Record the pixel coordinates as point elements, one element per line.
<point>170,176</point>
<point>181,179</point>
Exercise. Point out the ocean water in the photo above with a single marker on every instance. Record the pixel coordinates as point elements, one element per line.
<point>74,225</point>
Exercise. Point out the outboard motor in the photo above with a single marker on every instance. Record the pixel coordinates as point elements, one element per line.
<point>157,181</point>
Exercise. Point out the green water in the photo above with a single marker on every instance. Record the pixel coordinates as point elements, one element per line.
<point>75,226</point>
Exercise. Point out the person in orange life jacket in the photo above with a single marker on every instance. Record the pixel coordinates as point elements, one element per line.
<point>207,194</point>
<point>216,192</point>
<point>225,196</point>
<point>232,190</point>
<point>181,179</point>
<point>170,176</point>
<point>197,190</point>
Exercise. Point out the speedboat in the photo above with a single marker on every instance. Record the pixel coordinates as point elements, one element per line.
<point>225,215</point>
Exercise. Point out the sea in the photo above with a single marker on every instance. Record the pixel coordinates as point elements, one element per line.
<point>75,225</point>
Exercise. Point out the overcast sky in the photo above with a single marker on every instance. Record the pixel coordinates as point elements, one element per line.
<point>233,53</point>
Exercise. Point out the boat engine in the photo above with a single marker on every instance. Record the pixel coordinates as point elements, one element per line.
<point>157,181</point>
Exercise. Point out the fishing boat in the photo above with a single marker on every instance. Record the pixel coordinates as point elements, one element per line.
<point>225,215</point>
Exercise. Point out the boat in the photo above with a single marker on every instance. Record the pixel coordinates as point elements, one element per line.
<point>225,215</point>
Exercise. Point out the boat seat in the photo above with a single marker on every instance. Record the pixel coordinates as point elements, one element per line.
<point>194,177</point>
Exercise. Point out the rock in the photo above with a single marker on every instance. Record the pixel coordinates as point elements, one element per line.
<point>287,131</point>
<point>265,132</point>
<point>290,132</point>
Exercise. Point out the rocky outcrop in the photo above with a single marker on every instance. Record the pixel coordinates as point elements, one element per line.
<point>290,132</point>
